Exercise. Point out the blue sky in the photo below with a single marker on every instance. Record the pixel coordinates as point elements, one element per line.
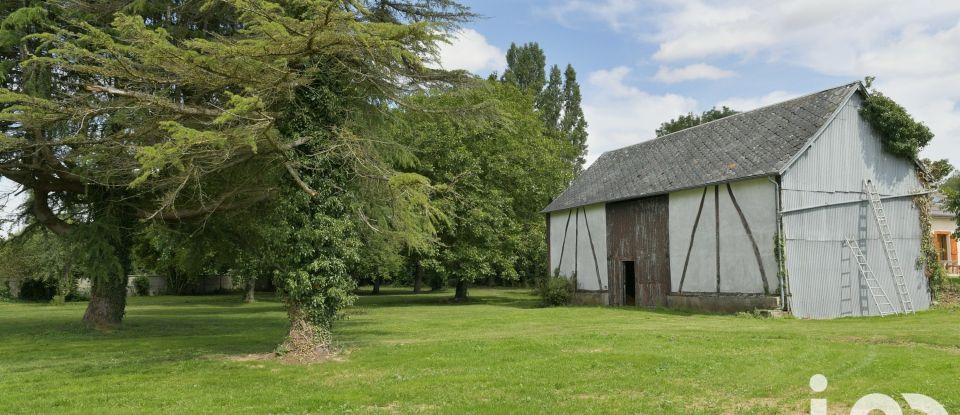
<point>643,62</point>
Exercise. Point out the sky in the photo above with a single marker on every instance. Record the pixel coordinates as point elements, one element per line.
<point>640,63</point>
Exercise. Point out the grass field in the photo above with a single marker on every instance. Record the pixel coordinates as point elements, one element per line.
<point>498,354</point>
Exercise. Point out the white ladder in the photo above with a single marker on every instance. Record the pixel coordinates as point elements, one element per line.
<point>903,293</point>
<point>876,291</point>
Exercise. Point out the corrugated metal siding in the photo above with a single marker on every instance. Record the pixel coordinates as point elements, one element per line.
<point>824,280</point>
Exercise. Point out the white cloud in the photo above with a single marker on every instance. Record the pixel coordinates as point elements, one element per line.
<point>691,72</point>
<point>469,50</point>
<point>912,47</point>
<point>611,12</point>
<point>9,202</point>
<point>749,103</point>
<point>619,114</point>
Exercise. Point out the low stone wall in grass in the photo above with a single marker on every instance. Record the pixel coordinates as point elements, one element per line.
<point>729,303</point>
<point>591,298</point>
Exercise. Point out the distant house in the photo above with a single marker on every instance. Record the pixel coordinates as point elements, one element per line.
<point>942,224</point>
<point>694,219</point>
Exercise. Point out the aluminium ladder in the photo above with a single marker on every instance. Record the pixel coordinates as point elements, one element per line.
<point>903,293</point>
<point>876,291</point>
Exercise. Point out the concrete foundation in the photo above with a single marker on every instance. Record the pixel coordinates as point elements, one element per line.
<point>591,298</point>
<point>713,303</point>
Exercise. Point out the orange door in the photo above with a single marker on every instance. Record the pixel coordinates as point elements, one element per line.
<point>953,248</point>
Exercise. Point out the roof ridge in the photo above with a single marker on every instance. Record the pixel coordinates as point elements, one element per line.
<point>847,85</point>
<point>755,143</point>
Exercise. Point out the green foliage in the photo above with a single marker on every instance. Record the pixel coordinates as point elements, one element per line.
<point>690,120</point>
<point>42,260</point>
<point>525,67</point>
<point>929,259</point>
<point>141,285</point>
<point>573,126</point>
<point>496,168</point>
<point>5,294</point>
<point>939,170</point>
<point>556,291</point>
<point>780,254</point>
<point>900,134</point>
<point>153,118</point>
<point>312,275</point>
<point>951,190</point>
<point>557,100</point>
<point>550,102</point>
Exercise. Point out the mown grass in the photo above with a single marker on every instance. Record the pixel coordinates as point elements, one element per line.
<point>497,354</point>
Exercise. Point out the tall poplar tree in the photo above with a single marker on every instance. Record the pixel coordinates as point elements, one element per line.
<point>550,102</point>
<point>557,99</point>
<point>525,67</point>
<point>573,126</point>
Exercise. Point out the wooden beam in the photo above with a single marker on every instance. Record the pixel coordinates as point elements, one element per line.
<point>693,234</point>
<point>593,250</point>
<point>716,209</point>
<point>753,241</point>
<point>563,245</point>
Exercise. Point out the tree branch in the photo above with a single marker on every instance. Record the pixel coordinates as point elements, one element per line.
<point>154,100</point>
<point>296,177</point>
<point>219,206</point>
<point>45,215</point>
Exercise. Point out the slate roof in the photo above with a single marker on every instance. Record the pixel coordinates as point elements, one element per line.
<point>939,209</point>
<point>749,144</point>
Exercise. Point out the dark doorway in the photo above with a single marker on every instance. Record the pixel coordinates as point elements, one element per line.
<point>629,283</point>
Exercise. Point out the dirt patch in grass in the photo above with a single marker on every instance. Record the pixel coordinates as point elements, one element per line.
<point>293,359</point>
<point>898,342</point>
<point>949,296</point>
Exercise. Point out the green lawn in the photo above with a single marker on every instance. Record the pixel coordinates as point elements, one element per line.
<point>498,354</point>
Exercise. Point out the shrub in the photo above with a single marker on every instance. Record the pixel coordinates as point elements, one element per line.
<point>5,291</point>
<point>141,285</point>
<point>37,290</point>
<point>556,291</point>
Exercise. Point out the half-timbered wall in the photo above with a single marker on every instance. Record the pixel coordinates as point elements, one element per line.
<point>578,245</point>
<point>722,238</point>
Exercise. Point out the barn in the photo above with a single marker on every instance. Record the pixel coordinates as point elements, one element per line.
<point>793,206</point>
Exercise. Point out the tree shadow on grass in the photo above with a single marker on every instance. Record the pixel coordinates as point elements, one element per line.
<point>207,310</point>
<point>445,300</point>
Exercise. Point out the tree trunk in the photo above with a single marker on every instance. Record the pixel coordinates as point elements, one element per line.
<point>64,284</point>
<point>417,279</point>
<point>305,341</point>
<point>108,300</point>
<point>461,294</point>
<point>437,282</point>
<point>376,285</point>
<point>250,285</point>
<point>108,293</point>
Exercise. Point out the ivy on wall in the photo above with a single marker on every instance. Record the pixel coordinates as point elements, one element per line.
<point>928,259</point>
<point>903,136</point>
<point>900,134</point>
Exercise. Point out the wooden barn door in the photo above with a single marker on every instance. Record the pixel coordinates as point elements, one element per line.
<point>653,265</point>
<point>637,233</point>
